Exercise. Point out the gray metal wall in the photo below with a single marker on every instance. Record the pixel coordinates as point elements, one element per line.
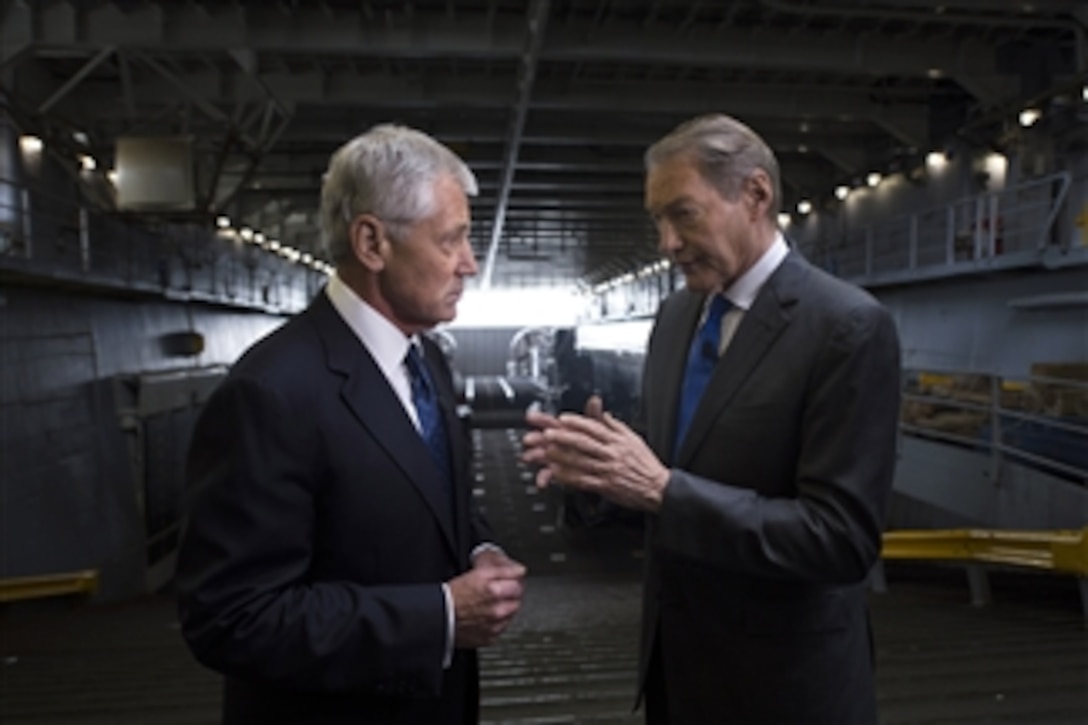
<point>69,495</point>
<point>938,486</point>
<point>978,324</point>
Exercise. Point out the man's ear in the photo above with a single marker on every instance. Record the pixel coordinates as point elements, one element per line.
<point>367,239</point>
<point>758,193</point>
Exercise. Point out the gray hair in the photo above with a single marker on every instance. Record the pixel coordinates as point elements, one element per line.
<point>725,151</point>
<point>387,172</point>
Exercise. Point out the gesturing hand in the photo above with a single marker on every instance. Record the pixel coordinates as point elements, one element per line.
<point>597,453</point>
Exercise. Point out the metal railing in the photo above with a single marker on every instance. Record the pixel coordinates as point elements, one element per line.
<point>1001,229</point>
<point>45,235</point>
<point>1039,421</point>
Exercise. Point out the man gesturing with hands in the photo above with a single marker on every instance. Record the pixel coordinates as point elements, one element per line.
<point>764,457</point>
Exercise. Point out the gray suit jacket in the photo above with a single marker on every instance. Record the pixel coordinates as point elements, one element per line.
<point>774,510</point>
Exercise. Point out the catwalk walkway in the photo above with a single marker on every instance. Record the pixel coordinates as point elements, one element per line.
<point>570,658</point>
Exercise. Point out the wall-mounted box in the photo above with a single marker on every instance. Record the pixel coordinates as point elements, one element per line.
<point>155,174</point>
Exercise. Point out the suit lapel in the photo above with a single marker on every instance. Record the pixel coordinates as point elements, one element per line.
<point>754,337</point>
<point>369,397</point>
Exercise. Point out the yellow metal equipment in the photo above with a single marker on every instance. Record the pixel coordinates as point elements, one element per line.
<point>1063,551</point>
<point>48,585</point>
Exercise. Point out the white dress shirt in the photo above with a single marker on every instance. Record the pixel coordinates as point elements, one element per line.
<point>388,346</point>
<point>742,293</point>
<point>385,343</point>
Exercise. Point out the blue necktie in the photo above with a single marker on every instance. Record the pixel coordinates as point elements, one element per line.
<point>430,416</point>
<point>702,357</point>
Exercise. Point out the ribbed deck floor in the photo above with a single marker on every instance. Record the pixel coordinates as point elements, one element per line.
<point>571,655</point>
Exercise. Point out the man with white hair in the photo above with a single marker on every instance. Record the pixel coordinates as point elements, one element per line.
<point>334,567</point>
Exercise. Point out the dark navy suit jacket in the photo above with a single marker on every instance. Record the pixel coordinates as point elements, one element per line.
<point>319,533</point>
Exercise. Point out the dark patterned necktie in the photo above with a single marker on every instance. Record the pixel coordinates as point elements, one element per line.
<point>702,357</point>
<point>425,400</point>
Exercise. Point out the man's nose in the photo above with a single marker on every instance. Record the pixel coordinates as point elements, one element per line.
<point>469,267</point>
<point>668,241</point>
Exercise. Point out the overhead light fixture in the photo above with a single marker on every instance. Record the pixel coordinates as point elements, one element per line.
<point>1029,116</point>
<point>936,159</point>
<point>114,176</point>
<point>935,73</point>
<point>245,233</point>
<point>997,167</point>
<point>842,191</point>
<point>80,138</point>
<point>783,219</point>
<point>31,144</point>
<point>804,206</point>
<point>873,178</point>
<point>87,163</point>
<point>223,222</point>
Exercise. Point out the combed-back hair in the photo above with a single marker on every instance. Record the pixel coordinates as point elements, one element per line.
<point>725,152</point>
<point>389,172</point>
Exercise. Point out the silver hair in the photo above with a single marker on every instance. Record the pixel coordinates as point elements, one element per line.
<point>388,172</point>
<point>725,151</point>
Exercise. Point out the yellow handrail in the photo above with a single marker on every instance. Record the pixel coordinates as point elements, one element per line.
<point>48,585</point>
<point>1063,551</point>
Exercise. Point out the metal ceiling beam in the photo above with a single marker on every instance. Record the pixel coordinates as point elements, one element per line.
<point>628,203</point>
<point>287,162</point>
<point>334,32</point>
<point>537,24</point>
<point>907,121</point>
<point>304,29</point>
<point>76,78</point>
<point>337,32</point>
<point>16,31</point>
<point>479,138</point>
<point>351,89</point>
<point>179,82</point>
<point>850,96</point>
<point>1016,20</point>
<point>582,183</point>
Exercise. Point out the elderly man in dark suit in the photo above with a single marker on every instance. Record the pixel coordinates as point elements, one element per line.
<point>769,412</point>
<point>334,567</point>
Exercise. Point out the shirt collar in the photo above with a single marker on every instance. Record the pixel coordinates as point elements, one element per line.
<point>742,293</point>
<point>382,339</point>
